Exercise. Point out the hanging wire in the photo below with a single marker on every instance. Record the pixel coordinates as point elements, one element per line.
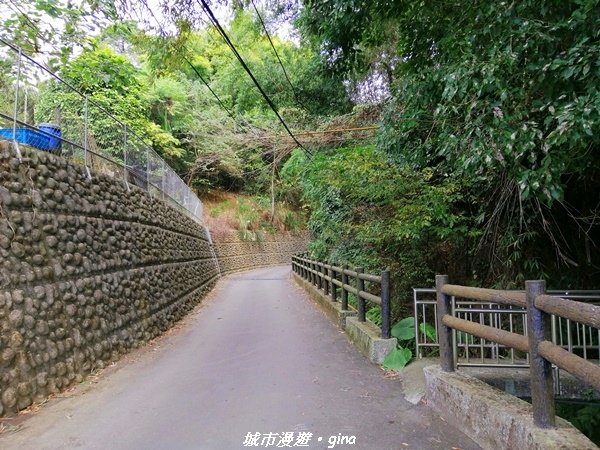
<point>277,55</point>
<point>164,35</point>
<point>218,26</point>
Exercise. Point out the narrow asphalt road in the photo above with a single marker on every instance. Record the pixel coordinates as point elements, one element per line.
<point>256,365</point>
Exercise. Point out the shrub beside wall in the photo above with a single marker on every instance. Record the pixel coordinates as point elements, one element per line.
<point>88,271</point>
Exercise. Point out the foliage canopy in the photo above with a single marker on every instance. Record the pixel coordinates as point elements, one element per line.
<point>501,98</point>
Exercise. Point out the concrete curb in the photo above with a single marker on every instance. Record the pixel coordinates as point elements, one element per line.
<point>492,418</point>
<point>364,335</point>
<point>333,310</point>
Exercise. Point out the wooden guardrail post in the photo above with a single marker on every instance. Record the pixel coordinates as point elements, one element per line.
<point>319,275</point>
<point>542,386</point>
<point>360,286</point>
<point>385,305</point>
<point>333,274</point>
<point>326,273</point>
<point>344,291</point>
<point>444,307</point>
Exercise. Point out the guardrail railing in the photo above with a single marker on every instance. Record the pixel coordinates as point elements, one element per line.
<point>471,351</point>
<point>74,126</point>
<point>329,278</point>
<point>537,343</point>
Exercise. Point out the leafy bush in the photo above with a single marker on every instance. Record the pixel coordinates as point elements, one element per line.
<point>374,214</point>
<point>404,331</point>
<point>400,356</point>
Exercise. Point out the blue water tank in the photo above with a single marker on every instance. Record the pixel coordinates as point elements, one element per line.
<point>54,144</point>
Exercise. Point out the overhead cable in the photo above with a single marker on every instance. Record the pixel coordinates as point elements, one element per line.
<point>216,23</point>
<point>277,55</point>
<point>342,130</point>
<point>164,35</point>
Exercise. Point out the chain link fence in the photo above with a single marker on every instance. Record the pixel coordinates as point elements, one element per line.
<point>40,109</point>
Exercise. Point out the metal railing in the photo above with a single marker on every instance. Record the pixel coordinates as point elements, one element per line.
<point>40,109</point>
<point>469,350</point>
<point>543,353</point>
<point>329,277</point>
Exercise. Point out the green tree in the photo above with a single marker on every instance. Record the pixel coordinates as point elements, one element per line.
<point>221,149</point>
<point>53,27</point>
<point>110,82</point>
<point>375,214</point>
<point>500,96</point>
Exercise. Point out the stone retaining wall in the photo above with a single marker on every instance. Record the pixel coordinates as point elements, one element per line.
<point>235,254</point>
<point>88,271</point>
<point>91,268</point>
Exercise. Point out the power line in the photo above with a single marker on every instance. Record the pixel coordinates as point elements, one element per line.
<point>341,130</point>
<point>277,55</point>
<point>249,72</point>
<point>208,86</point>
<point>164,35</point>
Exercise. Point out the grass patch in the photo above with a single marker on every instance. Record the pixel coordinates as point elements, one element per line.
<point>251,218</point>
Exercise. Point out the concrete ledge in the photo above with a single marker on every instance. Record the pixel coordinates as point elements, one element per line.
<point>333,310</point>
<point>516,381</point>
<point>492,418</point>
<point>364,335</point>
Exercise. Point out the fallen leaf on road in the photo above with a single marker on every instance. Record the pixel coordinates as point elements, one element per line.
<point>391,374</point>
<point>10,428</point>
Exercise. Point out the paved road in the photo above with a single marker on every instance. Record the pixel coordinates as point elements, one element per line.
<point>256,364</point>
